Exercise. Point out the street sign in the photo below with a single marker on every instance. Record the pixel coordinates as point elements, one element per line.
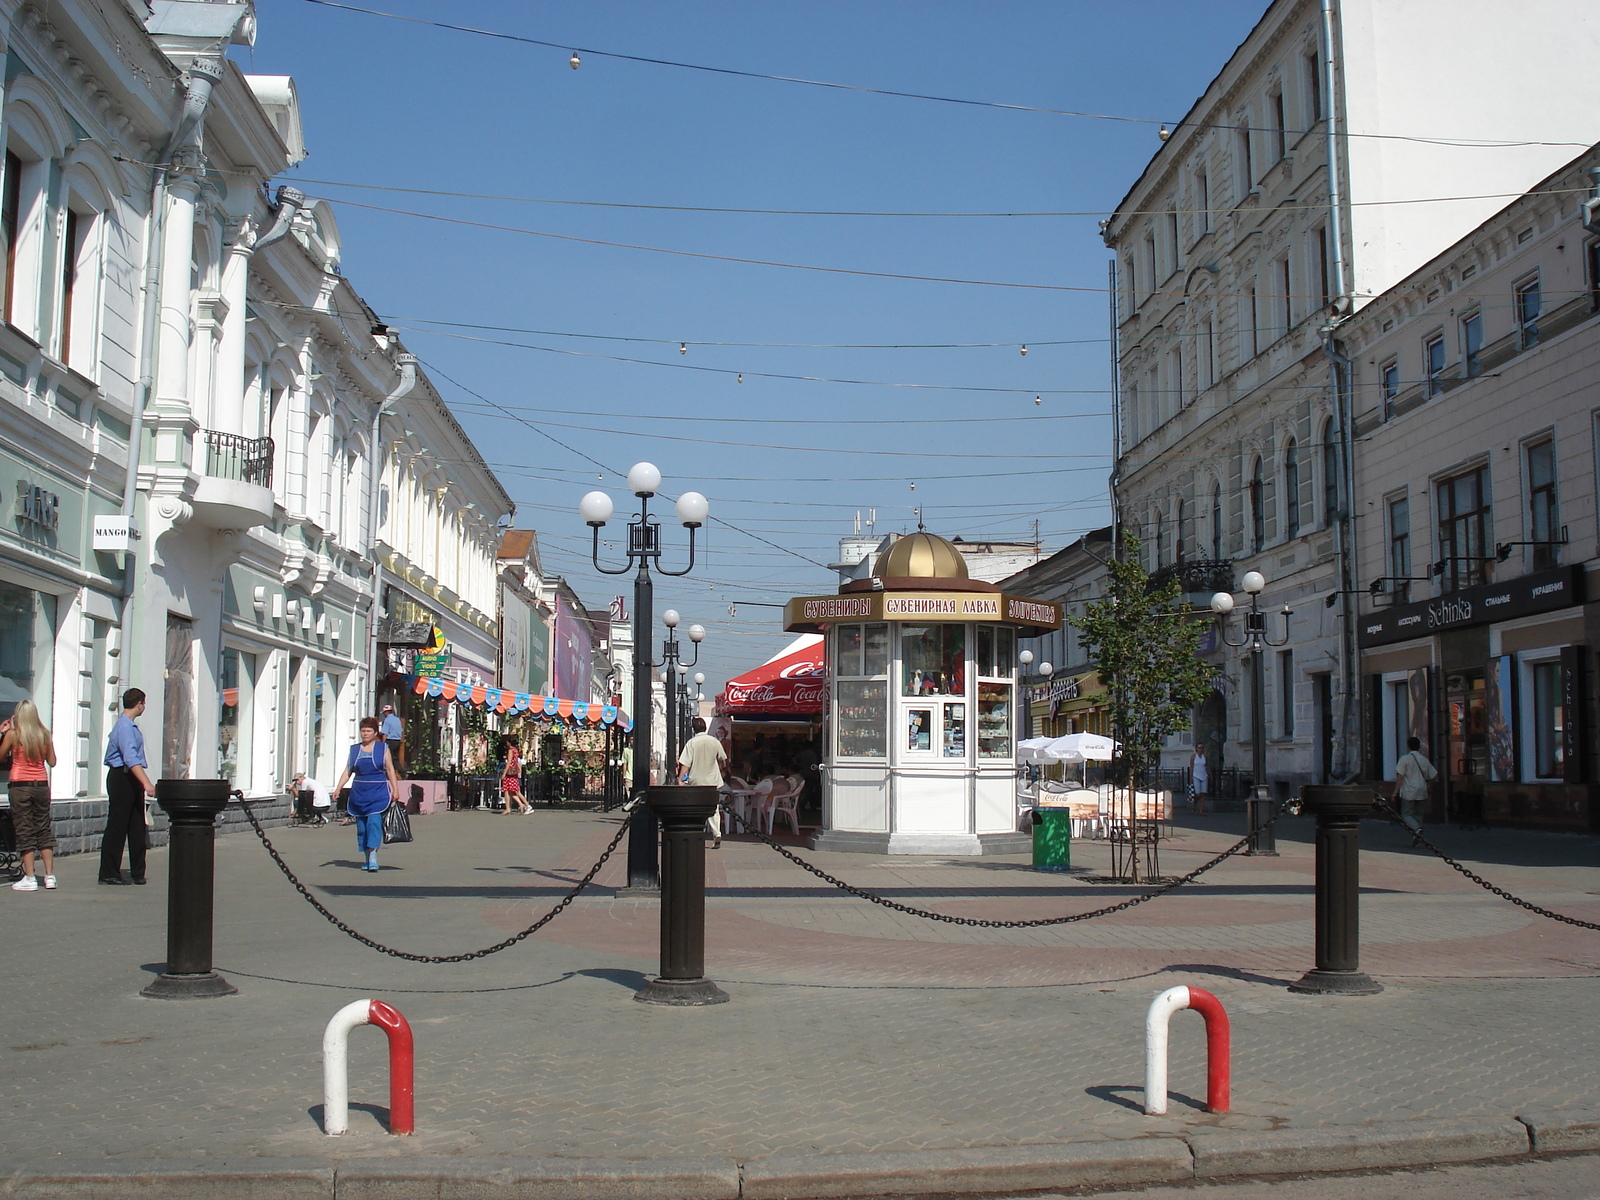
<point>431,664</point>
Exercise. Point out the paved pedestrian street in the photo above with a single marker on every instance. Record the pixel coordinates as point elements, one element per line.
<point>851,1028</point>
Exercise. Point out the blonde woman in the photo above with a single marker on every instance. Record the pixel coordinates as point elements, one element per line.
<point>33,753</point>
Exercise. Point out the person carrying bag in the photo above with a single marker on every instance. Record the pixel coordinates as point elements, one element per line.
<point>375,788</point>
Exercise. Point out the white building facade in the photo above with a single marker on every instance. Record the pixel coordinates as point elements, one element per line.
<point>1245,253</point>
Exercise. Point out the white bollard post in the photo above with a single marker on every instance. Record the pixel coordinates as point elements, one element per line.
<point>336,1066</point>
<point>1155,1047</point>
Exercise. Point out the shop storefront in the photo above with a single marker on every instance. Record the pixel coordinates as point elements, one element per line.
<point>772,720</point>
<point>1495,681</point>
<point>922,669</point>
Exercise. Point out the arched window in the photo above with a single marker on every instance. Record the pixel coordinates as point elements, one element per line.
<point>1258,509</point>
<point>1291,490</point>
<point>1177,532</point>
<point>1330,476</point>
<point>1216,522</point>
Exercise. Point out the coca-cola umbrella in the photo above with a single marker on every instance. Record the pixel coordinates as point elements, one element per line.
<point>793,681</point>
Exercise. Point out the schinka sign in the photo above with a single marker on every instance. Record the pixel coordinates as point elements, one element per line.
<point>806,612</point>
<point>1481,605</point>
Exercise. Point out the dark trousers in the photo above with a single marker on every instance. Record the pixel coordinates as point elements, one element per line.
<point>124,824</point>
<point>394,753</point>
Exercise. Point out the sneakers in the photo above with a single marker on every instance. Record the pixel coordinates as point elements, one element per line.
<point>49,883</point>
<point>26,884</point>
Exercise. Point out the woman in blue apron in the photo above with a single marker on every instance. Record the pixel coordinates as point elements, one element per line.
<point>375,787</point>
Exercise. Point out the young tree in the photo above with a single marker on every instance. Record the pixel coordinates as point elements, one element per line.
<point>1145,646</point>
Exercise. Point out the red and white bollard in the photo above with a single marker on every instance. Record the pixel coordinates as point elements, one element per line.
<point>1219,1048</point>
<point>336,1067</point>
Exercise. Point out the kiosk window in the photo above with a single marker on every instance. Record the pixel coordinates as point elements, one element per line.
<point>933,660</point>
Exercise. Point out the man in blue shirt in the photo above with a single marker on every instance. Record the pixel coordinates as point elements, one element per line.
<point>127,784</point>
<point>392,732</point>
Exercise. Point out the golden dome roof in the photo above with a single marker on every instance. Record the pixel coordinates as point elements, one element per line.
<point>921,555</point>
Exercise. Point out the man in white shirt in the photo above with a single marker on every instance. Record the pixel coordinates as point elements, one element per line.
<point>1412,774</point>
<point>321,801</point>
<point>701,759</point>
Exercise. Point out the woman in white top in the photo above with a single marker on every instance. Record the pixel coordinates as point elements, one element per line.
<point>1199,778</point>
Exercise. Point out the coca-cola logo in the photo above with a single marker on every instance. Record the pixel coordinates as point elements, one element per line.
<point>802,670</point>
<point>770,693</point>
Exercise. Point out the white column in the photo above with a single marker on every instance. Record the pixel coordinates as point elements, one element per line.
<point>229,387</point>
<point>174,324</point>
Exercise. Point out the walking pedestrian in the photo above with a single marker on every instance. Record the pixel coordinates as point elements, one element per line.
<point>511,778</point>
<point>1412,774</point>
<point>33,753</point>
<point>1199,778</point>
<point>393,733</point>
<point>701,758</point>
<point>127,786</point>
<point>375,787</point>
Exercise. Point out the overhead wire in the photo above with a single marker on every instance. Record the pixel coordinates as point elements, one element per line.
<point>1481,143</point>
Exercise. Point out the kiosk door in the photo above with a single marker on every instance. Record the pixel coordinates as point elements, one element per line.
<point>1468,767</point>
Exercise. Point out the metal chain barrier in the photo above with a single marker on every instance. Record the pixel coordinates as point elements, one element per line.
<point>432,958</point>
<point>1395,816</point>
<point>978,922</point>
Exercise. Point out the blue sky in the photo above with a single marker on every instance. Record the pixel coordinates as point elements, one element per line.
<point>391,104</point>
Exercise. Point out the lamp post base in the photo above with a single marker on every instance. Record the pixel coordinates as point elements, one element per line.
<point>630,892</point>
<point>1336,983</point>
<point>188,987</point>
<point>681,993</point>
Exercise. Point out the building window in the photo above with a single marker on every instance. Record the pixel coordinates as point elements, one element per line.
<point>1150,263</point>
<point>1130,410</point>
<point>1287,292</point>
<point>1472,344</point>
<point>1247,168</point>
<point>10,219</point>
<point>1433,356</point>
<point>1202,204</point>
<point>861,726</point>
<point>1313,70</point>
<point>1286,693</point>
<point>1258,510</point>
<point>1320,249</point>
<point>1546,713</point>
<point>1216,522</point>
<point>1177,531</point>
<point>1330,476</point>
<point>27,648</point>
<point>1178,397</point>
<point>1592,253</point>
<point>1130,283</point>
<point>1208,356</point>
<point>1280,145</point>
<point>1463,528</point>
<point>1389,384</point>
<point>1175,259</point>
<point>1528,301</point>
<point>1291,490</point>
<point>1400,548</point>
<point>1252,317</point>
<point>1543,517</point>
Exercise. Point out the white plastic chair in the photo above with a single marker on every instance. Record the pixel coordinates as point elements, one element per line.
<point>786,804</point>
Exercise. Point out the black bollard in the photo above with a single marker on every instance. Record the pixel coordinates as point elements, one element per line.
<point>1338,810</point>
<point>683,812</point>
<point>193,805</point>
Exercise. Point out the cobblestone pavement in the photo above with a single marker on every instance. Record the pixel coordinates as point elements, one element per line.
<point>851,1028</point>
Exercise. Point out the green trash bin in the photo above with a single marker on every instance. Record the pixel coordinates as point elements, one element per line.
<point>1052,839</point>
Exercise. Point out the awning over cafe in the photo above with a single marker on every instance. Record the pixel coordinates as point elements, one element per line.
<point>794,681</point>
<point>504,700</point>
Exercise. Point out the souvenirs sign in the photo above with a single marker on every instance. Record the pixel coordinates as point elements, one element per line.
<point>807,612</point>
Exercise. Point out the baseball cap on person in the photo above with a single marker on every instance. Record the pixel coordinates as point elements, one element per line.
<point>388,708</point>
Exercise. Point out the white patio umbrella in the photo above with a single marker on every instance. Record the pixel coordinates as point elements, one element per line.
<point>1032,749</point>
<point>1080,747</point>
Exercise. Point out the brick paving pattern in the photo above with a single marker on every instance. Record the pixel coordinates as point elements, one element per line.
<point>852,1028</point>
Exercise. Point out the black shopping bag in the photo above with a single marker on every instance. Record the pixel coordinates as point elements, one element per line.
<point>396,824</point>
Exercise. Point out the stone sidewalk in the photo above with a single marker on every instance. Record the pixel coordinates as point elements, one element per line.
<point>852,1031</point>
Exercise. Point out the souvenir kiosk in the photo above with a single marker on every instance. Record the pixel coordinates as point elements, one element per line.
<point>921,728</point>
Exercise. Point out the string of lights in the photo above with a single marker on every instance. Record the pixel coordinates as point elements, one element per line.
<point>576,51</point>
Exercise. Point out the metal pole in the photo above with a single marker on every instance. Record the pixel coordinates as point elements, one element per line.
<point>193,805</point>
<point>643,873</point>
<point>669,678</point>
<point>682,982</point>
<point>1262,841</point>
<point>1338,810</point>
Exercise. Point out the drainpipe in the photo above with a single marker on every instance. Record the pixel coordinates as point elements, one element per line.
<point>204,74</point>
<point>1116,414</point>
<point>1339,378</point>
<point>408,380</point>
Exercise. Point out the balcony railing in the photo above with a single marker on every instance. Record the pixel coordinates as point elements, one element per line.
<point>230,456</point>
<point>1197,576</point>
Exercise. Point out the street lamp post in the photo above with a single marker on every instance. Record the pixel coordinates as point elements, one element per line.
<point>644,547</point>
<point>1262,840</point>
<point>672,671</point>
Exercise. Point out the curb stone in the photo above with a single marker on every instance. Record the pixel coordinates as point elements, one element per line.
<point>1356,1147</point>
<point>986,1169</point>
<point>538,1179</point>
<point>1560,1129</point>
<point>991,1169</point>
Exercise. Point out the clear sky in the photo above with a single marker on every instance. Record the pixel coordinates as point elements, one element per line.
<point>399,105</point>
